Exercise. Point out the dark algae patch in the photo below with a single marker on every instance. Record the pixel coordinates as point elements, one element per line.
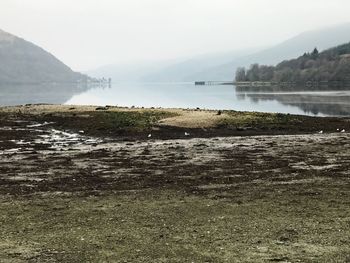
<point>284,123</point>
<point>106,122</point>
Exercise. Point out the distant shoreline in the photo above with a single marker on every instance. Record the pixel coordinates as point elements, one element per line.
<point>343,84</point>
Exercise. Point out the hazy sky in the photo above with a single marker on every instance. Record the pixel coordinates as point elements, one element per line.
<point>88,33</point>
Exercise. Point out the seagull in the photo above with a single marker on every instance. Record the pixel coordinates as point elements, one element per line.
<point>149,135</point>
<point>187,134</point>
<point>321,132</point>
<point>338,130</point>
<point>343,131</point>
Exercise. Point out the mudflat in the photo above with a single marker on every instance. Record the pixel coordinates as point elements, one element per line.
<point>107,184</point>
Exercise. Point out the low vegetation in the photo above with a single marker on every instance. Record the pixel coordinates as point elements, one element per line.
<point>129,120</point>
<point>126,123</point>
<point>253,119</point>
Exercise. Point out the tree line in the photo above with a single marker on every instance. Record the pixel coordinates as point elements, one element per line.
<point>330,65</point>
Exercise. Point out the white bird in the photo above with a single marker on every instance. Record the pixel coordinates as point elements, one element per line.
<point>149,135</point>
<point>338,130</point>
<point>343,131</point>
<point>187,134</point>
<point>321,132</point>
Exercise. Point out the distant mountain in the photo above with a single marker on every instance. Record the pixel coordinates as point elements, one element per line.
<point>322,39</point>
<point>183,70</point>
<point>124,72</point>
<point>24,62</point>
<point>165,71</point>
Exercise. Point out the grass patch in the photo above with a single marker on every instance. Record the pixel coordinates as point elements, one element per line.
<point>235,118</point>
<point>104,122</point>
<point>136,120</point>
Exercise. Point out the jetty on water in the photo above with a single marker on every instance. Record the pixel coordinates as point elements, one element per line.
<point>241,83</point>
<point>213,83</point>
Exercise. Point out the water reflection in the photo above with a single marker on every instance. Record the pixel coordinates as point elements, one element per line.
<point>11,94</point>
<point>183,95</point>
<point>325,102</point>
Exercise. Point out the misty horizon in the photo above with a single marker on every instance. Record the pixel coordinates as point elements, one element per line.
<point>93,34</point>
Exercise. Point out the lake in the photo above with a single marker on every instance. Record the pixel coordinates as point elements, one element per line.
<point>183,95</point>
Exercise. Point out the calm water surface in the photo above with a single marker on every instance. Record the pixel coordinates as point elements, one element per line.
<point>184,95</point>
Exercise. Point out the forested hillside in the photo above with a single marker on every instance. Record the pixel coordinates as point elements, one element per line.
<point>330,65</point>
